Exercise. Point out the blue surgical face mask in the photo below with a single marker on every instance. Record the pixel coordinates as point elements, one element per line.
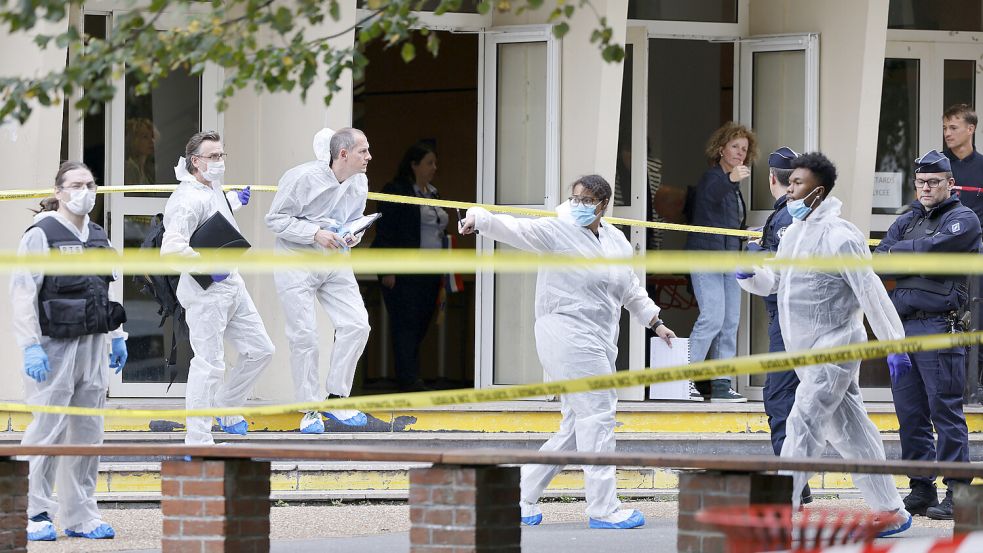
<point>583,215</point>
<point>798,208</point>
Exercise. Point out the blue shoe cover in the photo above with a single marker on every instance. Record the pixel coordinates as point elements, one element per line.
<point>890,531</point>
<point>634,521</point>
<point>103,532</point>
<point>47,533</point>
<point>357,420</point>
<point>316,427</point>
<point>240,428</point>
<point>533,520</point>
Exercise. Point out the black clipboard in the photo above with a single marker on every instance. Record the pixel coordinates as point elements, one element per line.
<point>216,232</point>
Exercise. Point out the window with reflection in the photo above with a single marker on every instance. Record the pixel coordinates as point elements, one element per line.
<point>709,11</point>
<point>897,136</point>
<point>932,15</point>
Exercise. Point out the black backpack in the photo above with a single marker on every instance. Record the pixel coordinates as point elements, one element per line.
<point>163,288</point>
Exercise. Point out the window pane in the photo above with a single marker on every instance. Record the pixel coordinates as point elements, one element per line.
<point>515,357</point>
<point>94,127</point>
<point>897,136</point>
<point>778,109</point>
<point>520,174</point>
<point>157,127</point>
<point>149,344</point>
<point>622,174</point>
<point>713,11</point>
<point>930,15</point>
<point>959,83</point>
<point>467,6</point>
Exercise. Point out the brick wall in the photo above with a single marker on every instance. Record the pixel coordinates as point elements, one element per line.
<point>13,506</point>
<point>215,506</point>
<point>455,509</point>
<point>702,489</point>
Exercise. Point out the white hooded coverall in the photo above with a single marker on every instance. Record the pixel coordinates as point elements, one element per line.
<point>79,377</point>
<point>578,313</point>
<point>223,311</point>
<point>309,198</point>
<point>818,310</point>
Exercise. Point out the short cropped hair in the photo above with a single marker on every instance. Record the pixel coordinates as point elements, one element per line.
<point>193,147</point>
<point>596,185</point>
<point>964,111</point>
<point>781,175</point>
<point>344,139</point>
<point>820,166</point>
<point>731,131</point>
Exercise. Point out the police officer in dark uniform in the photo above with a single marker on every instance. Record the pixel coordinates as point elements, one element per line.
<point>928,386</point>
<point>779,392</point>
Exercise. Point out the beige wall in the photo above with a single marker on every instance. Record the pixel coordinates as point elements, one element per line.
<point>852,40</point>
<point>29,154</point>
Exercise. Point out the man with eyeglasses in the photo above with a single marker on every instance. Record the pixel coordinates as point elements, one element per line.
<point>928,386</point>
<point>223,308</point>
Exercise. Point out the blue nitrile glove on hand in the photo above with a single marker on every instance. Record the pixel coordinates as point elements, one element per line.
<point>244,195</point>
<point>898,365</point>
<point>118,355</point>
<point>754,247</point>
<point>220,277</point>
<point>741,275</point>
<point>36,362</point>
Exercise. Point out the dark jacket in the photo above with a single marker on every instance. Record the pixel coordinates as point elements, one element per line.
<point>399,226</point>
<point>969,172</point>
<point>949,227</point>
<point>715,201</point>
<point>771,236</point>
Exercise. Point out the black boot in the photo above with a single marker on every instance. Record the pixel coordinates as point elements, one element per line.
<point>923,496</point>
<point>942,511</point>
<point>806,497</point>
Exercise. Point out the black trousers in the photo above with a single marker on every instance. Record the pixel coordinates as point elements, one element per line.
<point>411,304</point>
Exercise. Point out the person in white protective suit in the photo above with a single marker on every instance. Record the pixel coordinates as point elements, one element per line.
<point>66,326</point>
<point>822,309</point>
<point>578,312</point>
<point>222,311</point>
<point>314,205</point>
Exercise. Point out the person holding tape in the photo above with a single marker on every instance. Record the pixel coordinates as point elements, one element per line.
<point>928,386</point>
<point>66,325</point>
<point>314,205</point>
<point>823,309</point>
<point>716,201</point>
<point>221,310</point>
<point>578,313</point>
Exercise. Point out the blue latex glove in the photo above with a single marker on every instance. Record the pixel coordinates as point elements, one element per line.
<point>36,362</point>
<point>754,247</point>
<point>898,364</point>
<point>741,275</point>
<point>244,195</point>
<point>118,355</point>
<point>220,277</point>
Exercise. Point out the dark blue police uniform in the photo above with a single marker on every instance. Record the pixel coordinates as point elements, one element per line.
<point>779,391</point>
<point>931,392</point>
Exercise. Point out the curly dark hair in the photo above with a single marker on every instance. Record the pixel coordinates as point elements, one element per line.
<point>820,166</point>
<point>731,131</point>
<point>596,184</point>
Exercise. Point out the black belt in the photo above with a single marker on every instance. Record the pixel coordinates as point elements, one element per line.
<point>927,315</point>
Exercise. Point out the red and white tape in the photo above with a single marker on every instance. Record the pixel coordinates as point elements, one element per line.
<point>965,543</point>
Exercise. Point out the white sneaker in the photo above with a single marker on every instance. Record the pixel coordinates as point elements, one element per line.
<point>694,394</point>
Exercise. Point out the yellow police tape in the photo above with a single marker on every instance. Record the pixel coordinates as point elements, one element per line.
<point>22,194</point>
<point>754,364</point>
<point>407,261</point>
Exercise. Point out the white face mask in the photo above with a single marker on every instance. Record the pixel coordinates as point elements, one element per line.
<point>81,201</point>
<point>214,171</point>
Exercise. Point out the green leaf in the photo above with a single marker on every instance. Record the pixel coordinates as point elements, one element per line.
<point>561,29</point>
<point>408,52</point>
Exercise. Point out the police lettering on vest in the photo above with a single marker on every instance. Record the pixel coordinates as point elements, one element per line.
<point>70,306</point>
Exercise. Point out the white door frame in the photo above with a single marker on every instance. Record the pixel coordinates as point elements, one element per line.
<point>487,156</point>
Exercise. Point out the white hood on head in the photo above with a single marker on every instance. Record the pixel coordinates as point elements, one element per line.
<point>181,171</point>
<point>322,144</point>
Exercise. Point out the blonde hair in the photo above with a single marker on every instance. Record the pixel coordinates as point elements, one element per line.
<point>731,131</point>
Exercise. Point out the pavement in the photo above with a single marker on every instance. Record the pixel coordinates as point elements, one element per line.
<point>384,527</point>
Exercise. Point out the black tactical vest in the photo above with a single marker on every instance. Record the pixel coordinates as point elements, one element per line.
<point>70,306</point>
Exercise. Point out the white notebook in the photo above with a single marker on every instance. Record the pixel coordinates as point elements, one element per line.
<point>661,355</point>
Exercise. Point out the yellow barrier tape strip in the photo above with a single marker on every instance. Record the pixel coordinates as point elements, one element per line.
<point>406,261</point>
<point>754,364</point>
<point>20,194</point>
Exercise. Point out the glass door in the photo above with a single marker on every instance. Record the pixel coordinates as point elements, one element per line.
<point>147,135</point>
<point>520,168</point>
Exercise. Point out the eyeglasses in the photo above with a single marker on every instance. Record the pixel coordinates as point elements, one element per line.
<point>79,186</point>
<point>581,200</point>
<point>218,156</point>
<point>931,183</point>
